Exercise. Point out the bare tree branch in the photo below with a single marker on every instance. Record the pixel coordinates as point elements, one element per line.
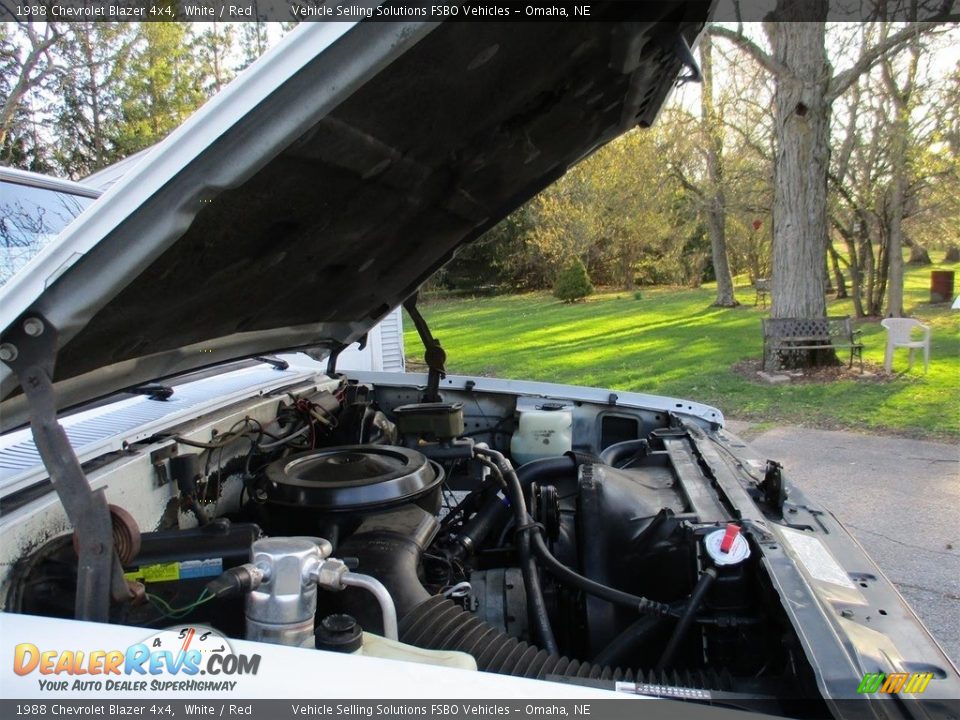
<point>26,78</point>
<point>762,57</point>
<point>746,138</point>
<point>678,173</point>
<point>872,55</point>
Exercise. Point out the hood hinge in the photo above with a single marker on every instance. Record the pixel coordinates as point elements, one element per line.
<point>30,351</point>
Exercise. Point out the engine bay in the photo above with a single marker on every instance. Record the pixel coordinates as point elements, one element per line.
<point>540,537</point>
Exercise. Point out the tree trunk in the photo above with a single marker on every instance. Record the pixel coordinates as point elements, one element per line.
<point>718,249</point>
<point>869,265</point>
<point>628,260</point>
<point>881,271</point>
<point>901,96</point>
<point>802,124</point>
<point>93,89</point>
<point>217,71</point>
<point>838,275</point>
<point>895,235</point>
<point>716,201</point>
<point>856,277</point>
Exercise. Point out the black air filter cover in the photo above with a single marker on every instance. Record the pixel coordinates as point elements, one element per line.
<point>351,478</point>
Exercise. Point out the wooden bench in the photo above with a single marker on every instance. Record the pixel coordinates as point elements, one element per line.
<point>782,335</point>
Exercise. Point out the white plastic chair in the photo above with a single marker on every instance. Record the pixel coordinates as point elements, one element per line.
<point>900,334</point>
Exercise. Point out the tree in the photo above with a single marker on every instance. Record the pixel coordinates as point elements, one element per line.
<point>75,97</point>
<point>716,210</point>
<point>26,65</point>
<point>937,164</point>
<point>214,47</point>
<point>804,92</point>
<point>87,117</point>
<point>853,178</point>
<point>893,179</point>
<point>637,209</point>
<point>573,283</point>
<point>722,157</point>
<point>160,88</point>
<point>25,57</point>
<point>802,125</point>
<point>253,40</point>
<point>903,101</point>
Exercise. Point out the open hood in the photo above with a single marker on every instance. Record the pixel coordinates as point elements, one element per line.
<point>325,184</point>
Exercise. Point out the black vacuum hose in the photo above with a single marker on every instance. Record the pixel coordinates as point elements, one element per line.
<point>536,607</point>
<point>683,625</point>
<point>567,576</point>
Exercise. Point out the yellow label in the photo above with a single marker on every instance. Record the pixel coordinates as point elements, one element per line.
<point>164,572</point>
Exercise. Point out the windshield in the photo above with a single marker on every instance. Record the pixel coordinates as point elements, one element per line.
<point>29,218</point>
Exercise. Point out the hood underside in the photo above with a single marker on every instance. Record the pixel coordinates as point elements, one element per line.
<point>322,188</point>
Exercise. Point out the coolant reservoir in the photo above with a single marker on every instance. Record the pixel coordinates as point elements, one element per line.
<point>381,647</point>
<point>544,431</point>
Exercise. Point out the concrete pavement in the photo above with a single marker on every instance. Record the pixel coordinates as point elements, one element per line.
<point>900,498</point>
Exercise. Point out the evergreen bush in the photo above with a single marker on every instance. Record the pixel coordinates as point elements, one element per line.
<point>573,282</point>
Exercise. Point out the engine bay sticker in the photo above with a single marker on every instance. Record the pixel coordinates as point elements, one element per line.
<point>211,567</point>
<point>184,570</point>
<point>816,558</point>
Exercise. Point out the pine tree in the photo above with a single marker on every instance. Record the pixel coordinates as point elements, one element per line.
<point>87,116</point>
<point>161,86</point>
<point>253,41</point>
<point>214,46</point>
<point>573,282</point>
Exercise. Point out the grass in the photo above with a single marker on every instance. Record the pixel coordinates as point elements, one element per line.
<point>672,342</point>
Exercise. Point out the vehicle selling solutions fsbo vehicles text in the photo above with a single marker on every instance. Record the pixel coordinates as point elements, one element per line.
<point>384,709</point>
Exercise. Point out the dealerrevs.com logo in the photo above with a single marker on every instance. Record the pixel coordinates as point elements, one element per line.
<point>169,661</point>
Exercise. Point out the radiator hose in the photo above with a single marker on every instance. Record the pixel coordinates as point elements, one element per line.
<point>441,624</point>
<point>536,607</point>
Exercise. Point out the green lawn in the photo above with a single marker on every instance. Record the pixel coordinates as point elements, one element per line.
<point>672,342</point>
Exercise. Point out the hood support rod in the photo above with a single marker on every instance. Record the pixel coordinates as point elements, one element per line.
<point>30,353</point>
<point>433,355</point>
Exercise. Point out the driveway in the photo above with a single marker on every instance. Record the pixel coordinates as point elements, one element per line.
<point>898,497</point>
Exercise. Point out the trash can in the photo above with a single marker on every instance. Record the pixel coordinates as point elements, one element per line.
<point>941,286</point>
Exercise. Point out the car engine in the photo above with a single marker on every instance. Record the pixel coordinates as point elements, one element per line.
<point>361,514</point>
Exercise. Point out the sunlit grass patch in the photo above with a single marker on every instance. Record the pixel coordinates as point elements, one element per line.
<point>673,342</point>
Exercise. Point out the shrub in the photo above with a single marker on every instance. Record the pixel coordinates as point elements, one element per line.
<point>638,295</point>
<point>572,283</point>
